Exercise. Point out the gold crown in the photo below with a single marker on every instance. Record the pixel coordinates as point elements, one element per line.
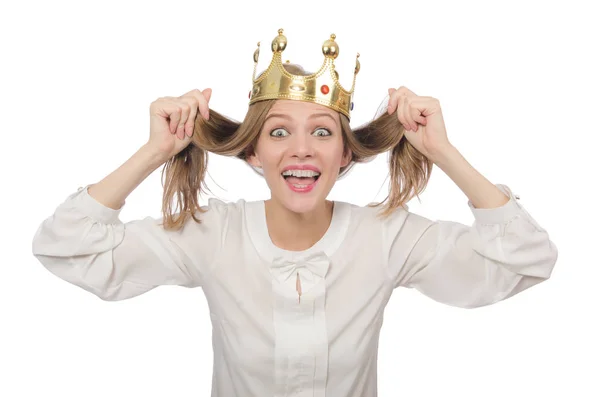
<point>322,87</point>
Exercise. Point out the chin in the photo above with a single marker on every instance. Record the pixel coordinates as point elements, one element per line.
<point>300,200</point>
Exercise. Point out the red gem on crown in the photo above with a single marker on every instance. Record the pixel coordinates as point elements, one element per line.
<point>324,89</point>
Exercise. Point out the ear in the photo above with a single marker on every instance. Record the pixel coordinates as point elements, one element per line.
<point>252,159</point>
<point>346,158</point>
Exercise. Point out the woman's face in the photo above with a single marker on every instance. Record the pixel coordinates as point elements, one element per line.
<point>300,150</point>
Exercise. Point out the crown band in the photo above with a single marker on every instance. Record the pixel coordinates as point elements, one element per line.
<point>322,87</point>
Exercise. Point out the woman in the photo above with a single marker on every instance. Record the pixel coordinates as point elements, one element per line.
<point>296,284</point>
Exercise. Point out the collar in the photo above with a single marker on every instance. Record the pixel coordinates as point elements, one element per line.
<point>256,225</point>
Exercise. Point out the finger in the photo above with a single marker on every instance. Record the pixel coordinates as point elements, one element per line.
<point>207,94</point>
<point>405,117</point>
<point>425,107</point>
<point>200,96</point>
<point>401,110</point>
<point>417,116</point>
<point>392,103</point>
<point>192,102</point>
<point>174,118</point>
<point>405,91</point>
<point>162,107</point>
<point>185,113</point>
<point>408,114</point>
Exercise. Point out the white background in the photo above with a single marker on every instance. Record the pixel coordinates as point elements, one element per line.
<point>518,83</point>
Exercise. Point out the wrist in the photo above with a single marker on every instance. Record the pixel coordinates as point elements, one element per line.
<point>151,156</point>
<point>446,156</point>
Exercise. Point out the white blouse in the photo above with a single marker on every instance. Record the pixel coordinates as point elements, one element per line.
<point>268,340</point>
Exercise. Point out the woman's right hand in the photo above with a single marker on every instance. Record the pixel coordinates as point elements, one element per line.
<point>172,121</point>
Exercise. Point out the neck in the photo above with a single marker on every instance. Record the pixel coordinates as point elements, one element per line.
<point>297,231</point>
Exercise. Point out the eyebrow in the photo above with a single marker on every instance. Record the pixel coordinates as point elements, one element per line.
<point>288,117</point>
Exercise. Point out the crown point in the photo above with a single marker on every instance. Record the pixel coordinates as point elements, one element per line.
<point>325,90</point>
<point>255,56</point>
<point>358,54</point>
<point>330,48</point>
<point>279,43</point>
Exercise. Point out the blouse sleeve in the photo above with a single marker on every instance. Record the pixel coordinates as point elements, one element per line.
<point>86,244</point>
<point>504,252</point>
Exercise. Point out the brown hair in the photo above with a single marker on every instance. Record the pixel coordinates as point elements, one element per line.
<point>183,175</point>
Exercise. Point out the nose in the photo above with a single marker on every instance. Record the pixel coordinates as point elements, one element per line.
<point>302,146</point>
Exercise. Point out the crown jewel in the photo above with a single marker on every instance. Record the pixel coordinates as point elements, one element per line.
<point>322,87</point>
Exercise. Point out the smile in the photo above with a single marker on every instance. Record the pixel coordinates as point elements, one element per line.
<point>301,184</point>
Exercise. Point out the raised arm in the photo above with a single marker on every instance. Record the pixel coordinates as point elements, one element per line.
<point>85,242</point>
<point>503,252</point>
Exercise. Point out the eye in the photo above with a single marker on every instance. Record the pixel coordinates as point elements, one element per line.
<point>328,133</point>
<point>276,130</point>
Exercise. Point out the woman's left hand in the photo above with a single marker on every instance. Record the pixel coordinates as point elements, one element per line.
<point>423,122</point>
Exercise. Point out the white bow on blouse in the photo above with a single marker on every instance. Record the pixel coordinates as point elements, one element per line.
<point>308,267</point>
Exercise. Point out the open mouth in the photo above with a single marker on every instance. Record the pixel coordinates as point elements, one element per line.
<point>301,180</point>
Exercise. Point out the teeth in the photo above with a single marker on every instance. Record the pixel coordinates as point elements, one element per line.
<point>301,173</point>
